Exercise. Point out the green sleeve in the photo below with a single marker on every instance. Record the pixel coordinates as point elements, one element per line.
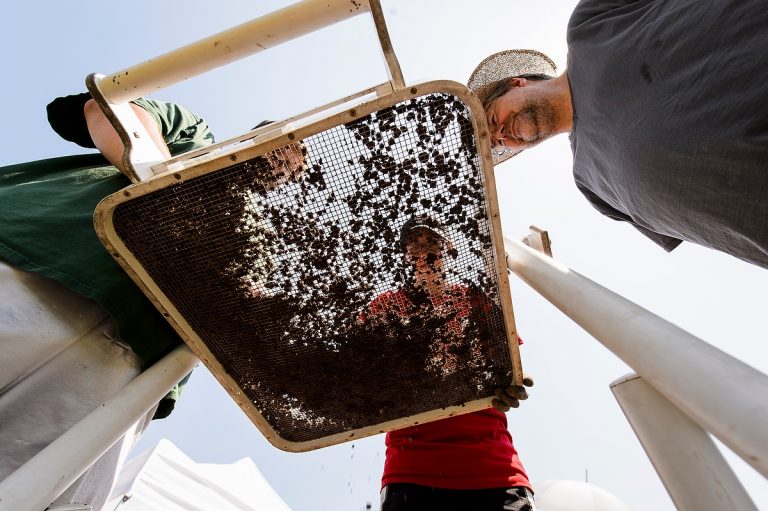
<point>182,130</point>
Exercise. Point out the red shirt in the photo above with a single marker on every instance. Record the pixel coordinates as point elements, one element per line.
<point>455,306</point>
<point>470,451</point>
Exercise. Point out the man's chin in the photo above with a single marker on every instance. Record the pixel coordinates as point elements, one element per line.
<point>533,143</point>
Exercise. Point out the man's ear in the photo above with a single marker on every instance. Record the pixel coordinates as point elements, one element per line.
<point>517,82</point>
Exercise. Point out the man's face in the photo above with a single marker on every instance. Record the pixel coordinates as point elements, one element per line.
<point>521,117</point>
<point>424,251</point>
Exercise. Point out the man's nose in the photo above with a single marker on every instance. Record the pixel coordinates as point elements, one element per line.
<point>497,137</point>
<point>496,134</point>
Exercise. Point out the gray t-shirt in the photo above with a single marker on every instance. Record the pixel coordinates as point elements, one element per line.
<point>671,119</point>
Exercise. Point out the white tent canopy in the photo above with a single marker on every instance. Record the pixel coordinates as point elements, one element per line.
<point>165,479</point>
<point>562,495</point>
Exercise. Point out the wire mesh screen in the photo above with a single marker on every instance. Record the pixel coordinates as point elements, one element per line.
<point>294,269</point>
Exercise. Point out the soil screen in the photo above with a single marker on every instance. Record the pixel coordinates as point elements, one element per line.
<point>276,275</point>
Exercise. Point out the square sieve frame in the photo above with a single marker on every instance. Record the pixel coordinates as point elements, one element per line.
<point>103,223</point>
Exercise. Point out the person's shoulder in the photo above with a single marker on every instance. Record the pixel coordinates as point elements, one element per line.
<point>182,129</point>
<point>167,110</point>
<point>460,289</point>
<point>587,10</point>
<point>392,295</point>
<point>468,292</point>
<point>471,296</point>
<point>394,300</point>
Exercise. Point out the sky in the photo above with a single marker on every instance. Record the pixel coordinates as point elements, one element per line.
<point>571,427</point>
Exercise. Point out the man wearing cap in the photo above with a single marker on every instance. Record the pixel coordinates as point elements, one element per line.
<point>665,106</point>
<point>462,462</point>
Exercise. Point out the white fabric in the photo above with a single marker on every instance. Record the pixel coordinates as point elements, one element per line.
<point>58,362</point>
<point>563,495</point>
<point>165,479</point>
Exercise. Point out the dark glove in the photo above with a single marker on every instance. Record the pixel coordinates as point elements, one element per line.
<point>164,408</point>
<point>512,395</point>
<point>166,405</point>
<point>66,117</point>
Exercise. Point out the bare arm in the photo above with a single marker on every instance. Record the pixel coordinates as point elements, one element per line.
<point>106,138</point>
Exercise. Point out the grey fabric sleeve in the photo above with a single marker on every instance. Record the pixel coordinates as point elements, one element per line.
<point>588,9</point>
<point>668,243</point>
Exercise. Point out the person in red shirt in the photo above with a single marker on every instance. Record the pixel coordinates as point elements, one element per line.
<point>463,462</point>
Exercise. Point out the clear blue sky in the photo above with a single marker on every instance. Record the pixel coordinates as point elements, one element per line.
<point>571,424</point>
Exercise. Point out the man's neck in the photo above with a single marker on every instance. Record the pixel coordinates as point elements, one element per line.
<point>561,101</point>
<point>433,288</point>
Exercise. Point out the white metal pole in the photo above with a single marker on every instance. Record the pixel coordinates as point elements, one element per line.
<point>688,462</point>
<point>228,46</point>
<point>722,394</point>
<point>34,485</point>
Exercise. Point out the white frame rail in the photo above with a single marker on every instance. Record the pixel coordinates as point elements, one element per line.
<point>38,482</point>
<point>692,468</point>
<point>719,393</point>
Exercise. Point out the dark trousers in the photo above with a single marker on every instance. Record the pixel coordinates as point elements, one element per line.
<point>413,497</point>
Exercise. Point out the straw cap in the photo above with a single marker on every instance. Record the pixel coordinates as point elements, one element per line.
<point>498,68</point>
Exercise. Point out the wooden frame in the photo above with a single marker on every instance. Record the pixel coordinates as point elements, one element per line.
<point>275,139</point>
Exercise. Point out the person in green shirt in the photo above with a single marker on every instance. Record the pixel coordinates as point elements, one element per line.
<point>74,328</point>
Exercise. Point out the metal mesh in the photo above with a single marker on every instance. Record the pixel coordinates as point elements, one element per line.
<point>301,289</point>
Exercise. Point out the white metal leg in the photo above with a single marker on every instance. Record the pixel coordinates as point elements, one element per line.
<point>44,477</point>
<point>686,458</point>
<point>722,394</point>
